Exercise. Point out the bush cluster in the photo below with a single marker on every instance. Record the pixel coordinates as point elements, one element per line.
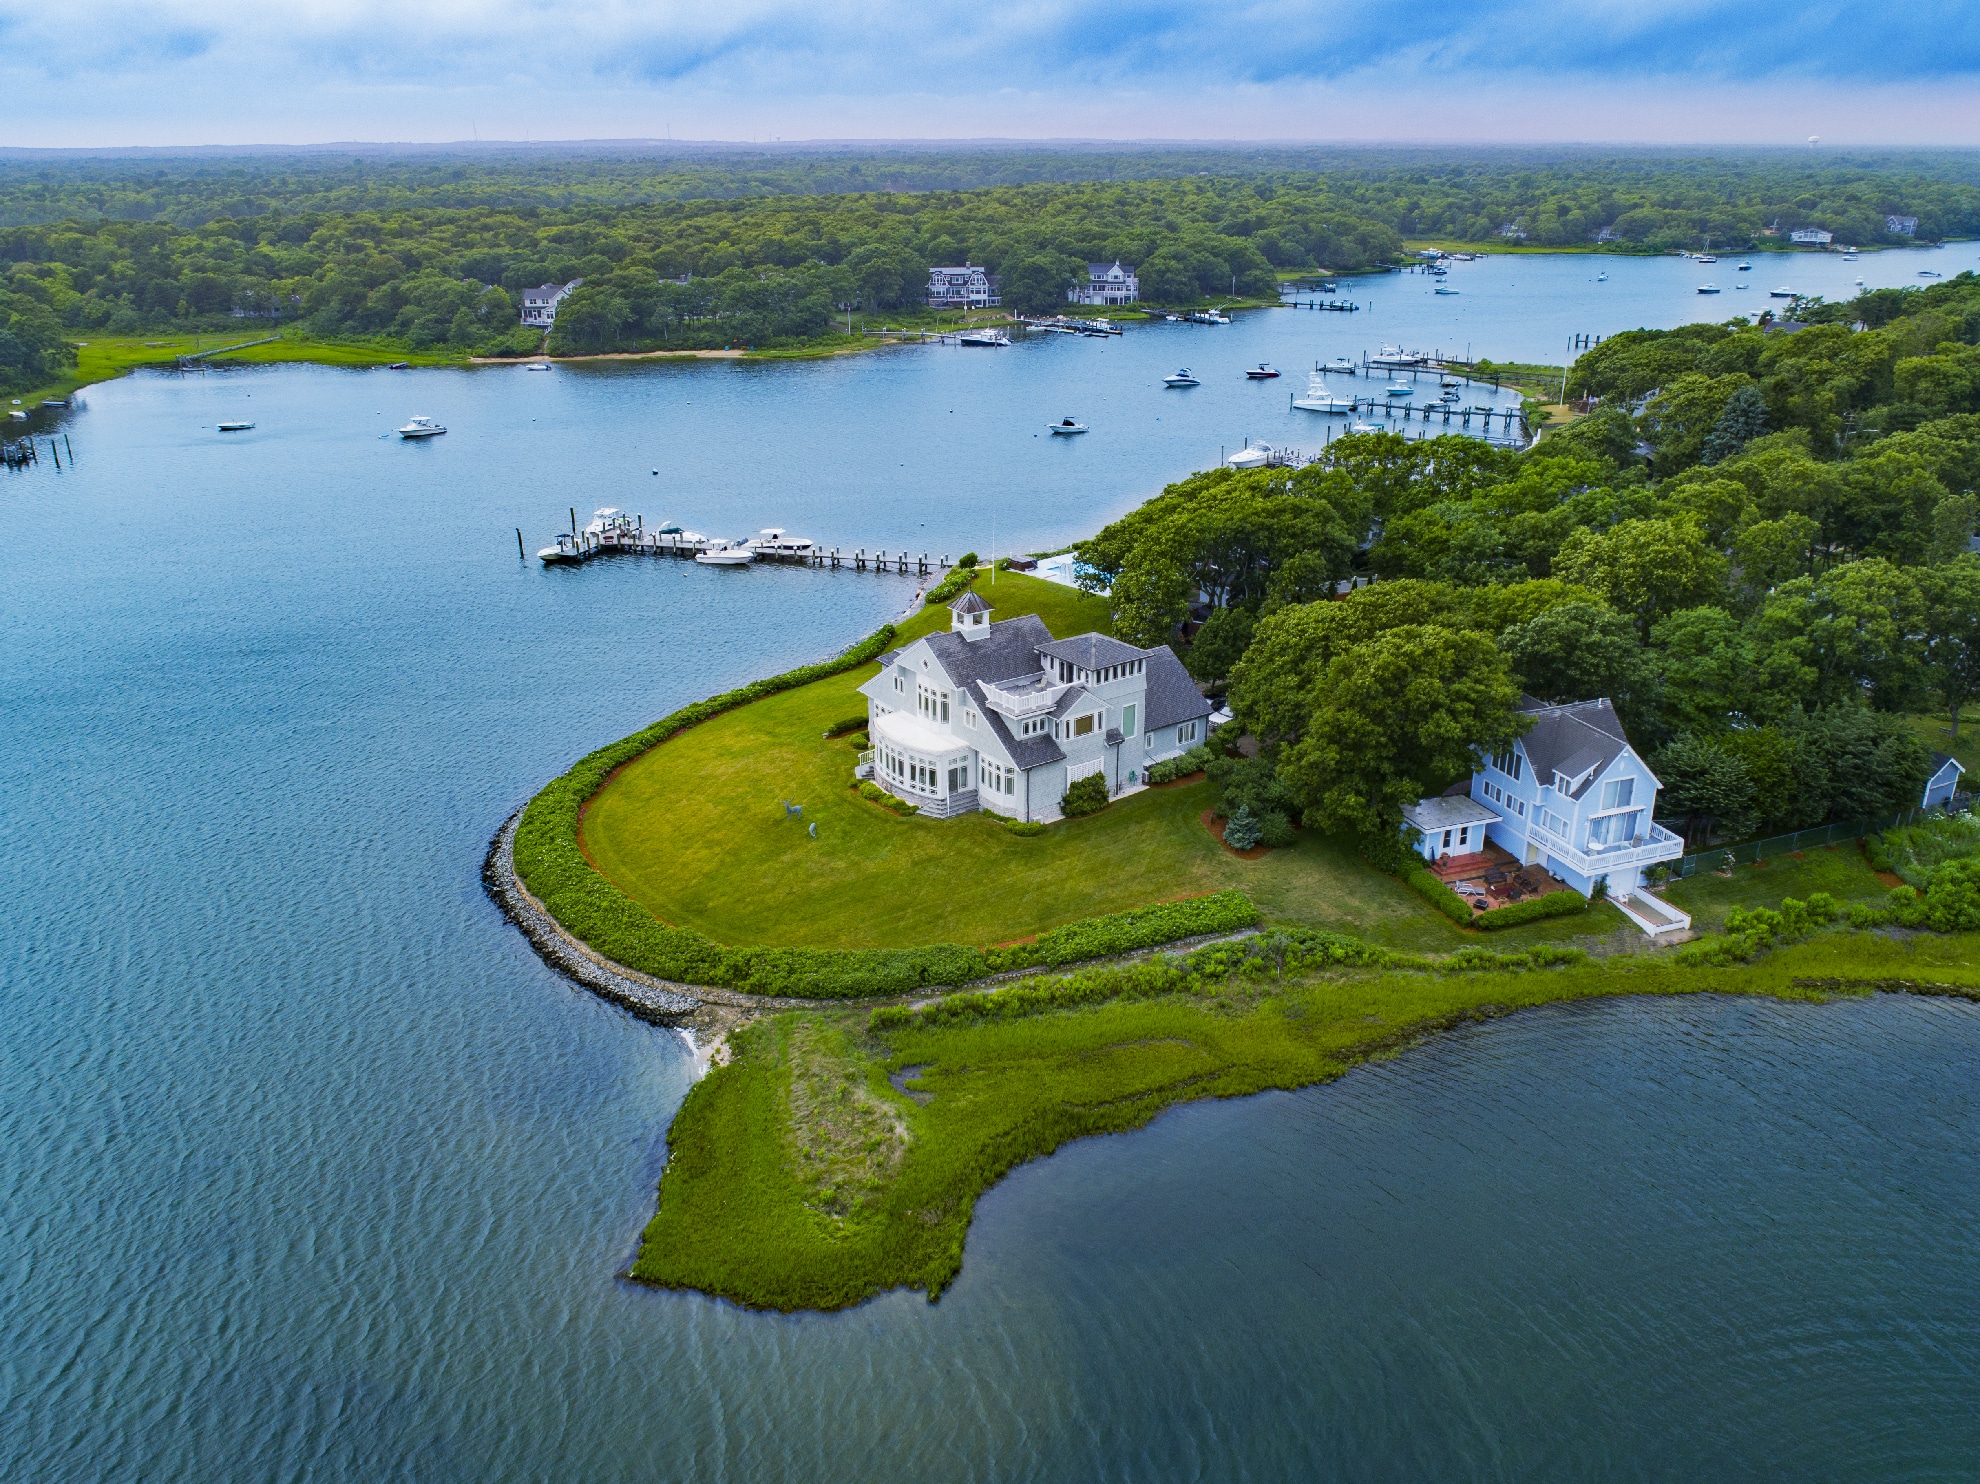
<point>1554,904</point>
<point>950,588</point>
<point>1087,796</point>
<point>1194,761</point>
<point>847,724</point>
<point>1251,785</point>
<point>1950,902</point>
<point>878,795</point>
<point>1028,828</point>
<point>1917,851</point>
<point>1424,883</point>
<point>1749,930</point>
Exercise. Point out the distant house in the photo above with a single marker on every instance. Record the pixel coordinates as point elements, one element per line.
<point>1901,226</point>
<point>1608,234</point>
<point>1811,237</point>
<point>539,305</point>
<point>1107,283</point>
<point>1511,229</point>
<point>1003,717</point>
<point>1944,782</point>
<point>967,287</point>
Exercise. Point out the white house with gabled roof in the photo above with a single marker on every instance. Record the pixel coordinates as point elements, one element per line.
<point>539,305</point>
<point>1002,716</point>
<point>1574,795</point>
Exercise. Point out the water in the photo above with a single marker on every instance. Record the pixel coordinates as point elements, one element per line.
<point>313,1171</point>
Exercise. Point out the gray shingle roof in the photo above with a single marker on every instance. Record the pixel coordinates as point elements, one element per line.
<point>1025,752</point>
<point>969,602</point>
<point>1571,740</point>
<point>1091,651</point>
<point>1009,650</point>
<point>1172,695</point>
<point>1448,812</point>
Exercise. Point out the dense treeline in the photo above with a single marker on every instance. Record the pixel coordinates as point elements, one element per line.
<point>433,251</point>
<point>1758,548</point>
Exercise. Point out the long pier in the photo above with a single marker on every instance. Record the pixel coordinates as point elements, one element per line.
<point>635,540</point>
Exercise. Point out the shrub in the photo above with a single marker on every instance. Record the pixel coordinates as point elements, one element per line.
<point>849,724</point>
<point>1123,932</point>
<point>967,559</point>
<point>1241,830</point>
<point>1533,909</point>
<point>950,587</point>
<point>1248,781</point>
<point>1028,828</point>
<point>868,789</point>
<point>1750,930</point>
<point>1275,830</point>
<point>1180,766</point>
<point>1952,899</point>
<point>1425,884</point>
<point>1874,852</point>
<point>1087,796</point>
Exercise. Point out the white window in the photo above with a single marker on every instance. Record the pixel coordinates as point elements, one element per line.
<point>1186,732</point>
<point>969,718</point>
<point>1616,793</point>
<point>945,705</point>
<point>1127,720</point>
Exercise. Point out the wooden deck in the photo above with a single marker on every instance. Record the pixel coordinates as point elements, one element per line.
<point>1492,878</point>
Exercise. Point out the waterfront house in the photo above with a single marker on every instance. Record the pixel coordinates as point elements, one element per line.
<point>1901,226</point>
<point>1811,237</point>
<point>539,305</point>
<point>1002,716</point>
<point>967,287</point>
<point>1107,283</point>
<point>1944,782</point>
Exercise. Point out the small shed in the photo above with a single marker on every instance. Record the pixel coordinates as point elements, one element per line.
<point>1944,782</point>
<point>1451,824</point>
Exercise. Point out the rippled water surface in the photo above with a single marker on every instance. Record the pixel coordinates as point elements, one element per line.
<point>311,1169</point>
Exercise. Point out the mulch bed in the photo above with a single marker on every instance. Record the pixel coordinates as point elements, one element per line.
<point>1216,827</point>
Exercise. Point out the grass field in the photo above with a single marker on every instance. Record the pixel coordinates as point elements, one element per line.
<point>104,358</point>
<point>695,831</point>
<point>800,1177</point>
<point>1935,730</point>
<point>1840,870</point>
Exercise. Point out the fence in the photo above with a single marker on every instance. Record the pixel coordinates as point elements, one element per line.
<point>1721,857</point>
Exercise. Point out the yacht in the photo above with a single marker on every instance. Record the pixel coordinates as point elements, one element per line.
<point>1744,268</point>
<point>1341,364</point>
<point>1319,399</point>
<point>1780,293</point>
<point>1399,389</point>
<point>565,551</point>
<point>235,427</point>
<point>1261,372</point>
<point>1708,288</point>
<point>1251,456</point>
<point>1065,427</point>
<point>1705,257</point>
<point>1181,378</point>
<point>723,553</point>
<point>772,542</point>
<point>421,427</point>
<point>993,338</point>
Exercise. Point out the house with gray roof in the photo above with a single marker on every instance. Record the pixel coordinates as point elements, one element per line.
<point>1002,716</point>
<point>539,305</point>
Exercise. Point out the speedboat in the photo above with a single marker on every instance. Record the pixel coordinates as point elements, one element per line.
<point>1740,288</point>
<point>1341,364</point>
<point>1850,256</point>
<point>1066,427</point>
<point>771,541</point>
<point>1708,288</point>
<point>1705,257</point>
<point>1780,293</point>
<point>1441,289</point>
<point>1859,283</point>
<point>976,337</point>
<point>235,427</point>
<point>1363,428</point>
<point>723,553</point>
<point>1601,278</point>
<point>566,550</point>
<point>610,527</point>
<point>400,366</point>
<point>1744,268</point>
<point>1181,378</point>
<point>421,427</point>
<point>536,365</point>
<point>1448,383</point>
<point>1261,372</point>
<point>1929,273</point>
<point>1399,389</point>
<point>1252,456</point>
<point>1319,399</point>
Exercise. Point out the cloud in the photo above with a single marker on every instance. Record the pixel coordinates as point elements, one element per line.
<point>813,61</point>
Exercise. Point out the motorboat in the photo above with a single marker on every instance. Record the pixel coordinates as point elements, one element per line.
<point>724,553</point>
<point>1181,378</point>
<point>566,550</point>
<point>1850,256</point>
<point>1708,288</point>
<point>235,427</point>
<point>772,542</point>
<point>991,338</point>
<point>1601,278</point>
<point>1319,399</point>
<point>1363,427</point>
<point>400,366</point>
<point>1705,257</point>
<point>1744,268</point>
<point>1450,383</point>
<point>536,365</point>
<point>1254,456</point>
<point>1341,364</point>
<point>421,427</point>
<point>1066,427</point>
<point>1398,389</point>
<point>1441,289</point>
<point>1261,372</point>
<point>610,528</point>
<point>1859,283</point>
<point>1780,293</point>
<point>1740,288</point>
<point>1930,273</point>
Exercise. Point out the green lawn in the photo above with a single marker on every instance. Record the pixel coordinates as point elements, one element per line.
<point>1936,732</point>
<point>1840,870</point>
<point>695,831</point>
<point>106,357</point>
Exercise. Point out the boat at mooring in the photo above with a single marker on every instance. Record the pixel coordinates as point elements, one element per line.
<point>421,427</point>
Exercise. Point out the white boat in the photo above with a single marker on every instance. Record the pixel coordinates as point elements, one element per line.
<point>566,550</point>
<point>1705,257</point>
<point>1850,256</point>
<point>1744,268</point>
<point>1740,288</point>
<point>1252,456</point>
<point>1181,378</point>
<point>1708,288</point>
<point>1398,389</point>
<point>1341,364</point>
<point>1319,399</point>
<point>1363,428</point>
<point>1448,382</point>
<point>994,338</point>
<point>1929,273</point>
<point>1780,293</point>
<point>536,365</point>
<point>1261,372</point>
<point>1440,289</point>
<point>1066,427</point>
<point>235,427</point>
<point>1859,283</point>
<point>610,529</point>
<point>721,553</point>
<point>421,427</point>
<point>1601,278</point>
<point>771,541</point>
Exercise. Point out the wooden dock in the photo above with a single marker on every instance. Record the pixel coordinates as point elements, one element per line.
<point>583,546</point>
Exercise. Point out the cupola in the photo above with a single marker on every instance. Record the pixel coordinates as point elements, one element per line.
<point>969,616</point>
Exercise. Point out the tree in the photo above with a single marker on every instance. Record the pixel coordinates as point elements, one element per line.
<point>1744,419</point>
<point>1875,763</point>
<point>1220,643</point>
<point>1645,568</point>
<point>1952,633</point>
<point>1854,632</point>
<point>1396,718</point>
<point>1706,673</point>
<point>1038,284</point>
<point>1578,652</point>
<point>1770,552</point>
<point>1241,829</point>
<point>1706,789</point>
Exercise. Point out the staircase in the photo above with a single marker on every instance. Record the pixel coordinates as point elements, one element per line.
<point>1654,915</point>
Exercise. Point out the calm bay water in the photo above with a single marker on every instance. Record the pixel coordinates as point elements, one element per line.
<point>313,1171</point>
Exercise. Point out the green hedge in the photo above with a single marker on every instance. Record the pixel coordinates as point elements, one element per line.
<point>551,864</point>
<point>950,587</point>
<point>1554,904</point>
<point>1426,885</point>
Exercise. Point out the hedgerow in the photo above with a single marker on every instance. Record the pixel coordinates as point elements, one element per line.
<point>1426,885</point>
<point>551,864</point>
<point>1749,930</point>
<point>1553,904</point>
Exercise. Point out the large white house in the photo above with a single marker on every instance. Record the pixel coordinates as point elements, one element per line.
<point>1811,237</point>
<point>967,287</point>
<point>1106,283</point>
<point>539,305</point>
<point>1002,716</point>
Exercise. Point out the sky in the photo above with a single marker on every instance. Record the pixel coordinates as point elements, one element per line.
<point>95,73</point>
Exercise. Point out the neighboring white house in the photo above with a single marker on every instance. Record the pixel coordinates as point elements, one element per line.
<point>1901,226</point>
<point>1573,795</point>
<point>1811,237</point>
<point>1944,782</point>
<point>1107,283</point>
<point>539,305</point>
<point>967,287</point>
<point>1002,716</point>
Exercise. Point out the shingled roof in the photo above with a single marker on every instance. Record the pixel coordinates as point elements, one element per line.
<point>1091,651</point>
<point>969,602</point>
<point>1572,740</point>
<point>1172,695</point>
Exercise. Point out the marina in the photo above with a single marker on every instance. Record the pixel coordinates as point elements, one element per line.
<point>612,532</point>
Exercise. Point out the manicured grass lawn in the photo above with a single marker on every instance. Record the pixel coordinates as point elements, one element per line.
<point>799,1178</point>
<point>695,831</point>
<point>1840,870</point>
<point>1936,733</point>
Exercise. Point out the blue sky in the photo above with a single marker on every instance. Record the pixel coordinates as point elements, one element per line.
<point>94,72</point>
